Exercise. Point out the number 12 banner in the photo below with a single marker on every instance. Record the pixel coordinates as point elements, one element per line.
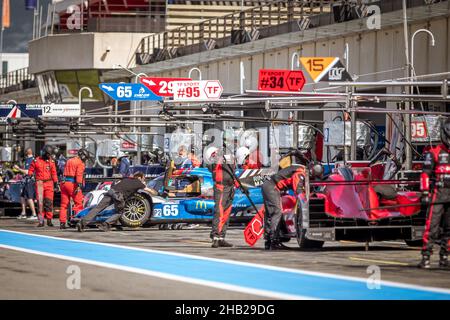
<point>128,92</point>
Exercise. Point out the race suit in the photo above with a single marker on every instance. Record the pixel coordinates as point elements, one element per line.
<point>223,176</point>
<point>253,161</point>
<point>73,181</point>
<point>435,179</point>
<point>44,171</point>
<point>291,178</point>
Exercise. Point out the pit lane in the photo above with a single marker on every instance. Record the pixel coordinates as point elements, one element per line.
<point>28,275</point>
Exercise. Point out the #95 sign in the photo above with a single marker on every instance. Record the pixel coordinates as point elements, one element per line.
<point>197,90</point>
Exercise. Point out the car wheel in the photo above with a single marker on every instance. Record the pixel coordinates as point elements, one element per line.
<point>302,241</point>
<point>136,211</point>
<point>414,243</point>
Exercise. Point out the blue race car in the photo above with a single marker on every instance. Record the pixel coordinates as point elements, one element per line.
<point>181,196</point>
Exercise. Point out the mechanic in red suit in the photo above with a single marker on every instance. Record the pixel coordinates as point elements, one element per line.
<point>247,160</point>
<point>288,178</point>
<point>435,185</point>
<point>224,187</point>
<point>44,170</point>
<point>72,184</point>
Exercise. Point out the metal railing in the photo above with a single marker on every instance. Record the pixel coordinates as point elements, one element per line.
<point>16,80</point>
<point>102,16</point>
<point>249,23</point>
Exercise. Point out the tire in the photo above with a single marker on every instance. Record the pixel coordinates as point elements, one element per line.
<point>285,239</point>
<point>302,241</point>
<point>136,211</point>
<point>165,226</point>
<point>414,243</point>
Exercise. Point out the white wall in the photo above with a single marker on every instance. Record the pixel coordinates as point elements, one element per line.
<point>15,60</point>
<point>83,51</point>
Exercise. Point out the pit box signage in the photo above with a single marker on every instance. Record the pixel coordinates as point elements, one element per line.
<point>162,87</point>
<point>325,69</point>
<point>129,92</point>
<point>61,110</point>
<point>197,90</point>
<point>281,80</point>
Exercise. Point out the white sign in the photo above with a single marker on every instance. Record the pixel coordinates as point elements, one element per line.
<point>61,110</point>
<point>197,90</point>
<point>128,143</point>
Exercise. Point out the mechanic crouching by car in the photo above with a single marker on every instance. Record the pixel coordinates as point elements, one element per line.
<point>435,185</point>
<point>117,195</point>
<point>72,184</point>
<point>44,170</point>
<point>290,177</point>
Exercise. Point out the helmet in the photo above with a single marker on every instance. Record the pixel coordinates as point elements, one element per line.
<point>315,169</point>
<point>241,154</point>
<point>211,155</point>
<point>229,135</point>
<point>251,143</point>
<point>47,151</point>
<point>122,154</point>
<point>445,132</point>
<point>83,154</point>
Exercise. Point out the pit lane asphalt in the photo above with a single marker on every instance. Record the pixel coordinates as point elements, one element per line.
<point>30,276</point>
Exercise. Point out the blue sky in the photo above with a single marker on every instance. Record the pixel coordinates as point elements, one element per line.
<point>21,31</point>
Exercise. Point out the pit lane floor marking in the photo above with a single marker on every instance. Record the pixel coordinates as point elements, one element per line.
<point>392,243</point>
<point>256,279</point>
<point>380,261</point>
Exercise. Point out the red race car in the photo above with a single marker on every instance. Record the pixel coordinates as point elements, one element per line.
<point>349,205</point>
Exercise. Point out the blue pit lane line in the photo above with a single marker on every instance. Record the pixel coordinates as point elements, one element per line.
<point>231,275</point>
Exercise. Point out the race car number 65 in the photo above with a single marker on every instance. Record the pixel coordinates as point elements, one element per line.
<point>170,210</point>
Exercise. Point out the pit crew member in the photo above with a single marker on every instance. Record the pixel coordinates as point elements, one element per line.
<point>117,195</point>
<point>43,168</point>
<point>247,160</point>
<point>224,185</point>
<point>288,178</point>
<point>28,193</point>
<point>71,185</point>
<point>435,185</point>
<point>124,165</point>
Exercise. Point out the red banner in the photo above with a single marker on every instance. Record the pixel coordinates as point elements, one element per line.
<point>281,80</point>
<point>162,87</point>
